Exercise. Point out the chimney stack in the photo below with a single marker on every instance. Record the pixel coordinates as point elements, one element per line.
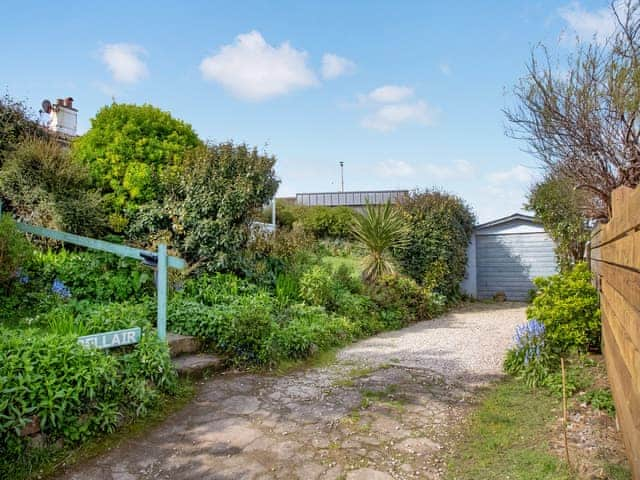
<point>64,118</point>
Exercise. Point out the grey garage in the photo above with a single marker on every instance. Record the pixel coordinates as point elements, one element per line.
<point>505,255</point>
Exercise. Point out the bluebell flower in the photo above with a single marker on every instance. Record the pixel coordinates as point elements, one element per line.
<point>23,278</point>
<point>529,339</point>
<point>60,289</point>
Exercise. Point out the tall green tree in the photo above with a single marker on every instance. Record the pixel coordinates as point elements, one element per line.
<point>558,205</point>
<point>205,212</point>
<point>129,149</point>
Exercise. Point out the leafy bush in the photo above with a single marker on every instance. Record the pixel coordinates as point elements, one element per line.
<point>205,211</point>
<point>531,359</point>
<point>567,304</point>
<point>74,391</point>
<point>318,287</point>
<point>409,301</point>
<point>98,277</point>
<point>129,149</point>
<point>322,222</point>
<point>559,206</point>
<point>380,231</point>
<point>15,251</point>
<point>267,256</point>
<point>440,230</point>
<point>241,329</point>
<point>45,186</point>
<point>601,399</point>
<point>16,124</point>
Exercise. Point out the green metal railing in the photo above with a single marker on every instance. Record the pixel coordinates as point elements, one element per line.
<point>160,260</point>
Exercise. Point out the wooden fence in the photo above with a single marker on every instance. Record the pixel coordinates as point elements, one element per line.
<point>615,261</point>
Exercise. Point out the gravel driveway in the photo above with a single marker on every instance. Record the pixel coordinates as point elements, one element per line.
<point>387,408</point>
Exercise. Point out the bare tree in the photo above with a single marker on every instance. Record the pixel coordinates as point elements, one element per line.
<point>585,125</point>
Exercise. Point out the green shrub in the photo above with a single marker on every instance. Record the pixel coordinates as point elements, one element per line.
<point>567,304</point>
<point>15,251</point>
<point>16,125</point>
<point>45,186</point>
<point>267,256</point>
<point>440,230</point>
<point>410,301</point>
<point>98,277</point>
<point>332,222</point>
<point>205,211</point>
<point>129,149</point>
<point>74,391</point>
<point>242,329</point>
<point>601,399</point>
<point>318,287</point>
<point>305,330</point>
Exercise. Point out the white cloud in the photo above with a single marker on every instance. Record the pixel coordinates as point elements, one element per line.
<point>587,25</point>
<point>394,168</point>
<point>389,117</point>
<point>334,66</point>
<point>124,61</point>
<point>252,69</point>
<point>519,174</point>
<point>389,94</point>
<point>445,69</point>
<point>459,169</point>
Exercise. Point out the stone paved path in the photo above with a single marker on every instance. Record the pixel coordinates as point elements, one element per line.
<point>384,410</point>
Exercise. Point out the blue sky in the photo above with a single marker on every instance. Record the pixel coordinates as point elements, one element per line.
<point>406,94</point>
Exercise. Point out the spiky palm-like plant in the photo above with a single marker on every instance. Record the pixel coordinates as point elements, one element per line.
<point>380,230</point>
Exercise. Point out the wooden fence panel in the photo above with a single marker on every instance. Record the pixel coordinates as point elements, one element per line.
<point>615,262</point>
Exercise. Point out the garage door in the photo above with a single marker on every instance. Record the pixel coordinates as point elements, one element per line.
<point>509,262</point>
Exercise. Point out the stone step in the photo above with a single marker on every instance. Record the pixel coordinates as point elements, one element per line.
<point>181,344</point>
<point>196,365</point>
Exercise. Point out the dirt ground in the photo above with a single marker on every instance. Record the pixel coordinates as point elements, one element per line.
<point>383,410</point>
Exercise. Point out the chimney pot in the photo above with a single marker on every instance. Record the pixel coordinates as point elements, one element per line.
<point>68,102</point>
<point>60,102</point>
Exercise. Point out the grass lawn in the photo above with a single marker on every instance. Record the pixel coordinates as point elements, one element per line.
<point>351,261</point>
<point>507,437</point>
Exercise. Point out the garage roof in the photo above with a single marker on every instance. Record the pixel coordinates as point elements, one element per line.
<point>510,218</point>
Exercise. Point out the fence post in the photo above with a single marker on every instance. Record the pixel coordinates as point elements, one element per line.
<point>162,288</point>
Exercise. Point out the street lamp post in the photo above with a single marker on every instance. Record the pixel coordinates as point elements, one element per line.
<point>342,176</point>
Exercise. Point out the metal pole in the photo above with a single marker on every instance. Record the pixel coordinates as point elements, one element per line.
<point>273,214</point>
<point>342,176</point>
<point>162,287</point>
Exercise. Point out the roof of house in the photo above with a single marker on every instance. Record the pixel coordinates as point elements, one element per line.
<point>510,218</point>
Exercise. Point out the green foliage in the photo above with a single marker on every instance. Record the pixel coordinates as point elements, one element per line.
<point>129,149</point>
<point>205,211</point>
<point>45,186</point>
<point>406,299</point>
<point>98,277</point>
<point>16,124</point>
<point>601,399</point>
<point>15,251</point>
<point>319,221</point>
<point>318,287</point>
<point>567,304</point>
<point>75,392</point>
<point>323,222</point>
<point>380,231</point>
<point>440,230</point>
<point>559,206</point>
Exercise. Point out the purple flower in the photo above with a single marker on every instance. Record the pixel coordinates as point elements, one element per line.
<point>60,289</point>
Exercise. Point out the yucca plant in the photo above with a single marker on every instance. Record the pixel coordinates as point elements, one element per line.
<point>380,230</point>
